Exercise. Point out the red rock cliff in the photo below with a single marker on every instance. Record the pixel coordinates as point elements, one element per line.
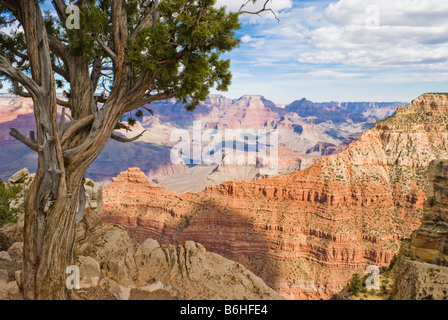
<point>307,232</point>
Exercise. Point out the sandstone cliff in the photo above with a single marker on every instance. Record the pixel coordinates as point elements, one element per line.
<point>307,232</point>
<point>421,271</point>
<point>114,267</point>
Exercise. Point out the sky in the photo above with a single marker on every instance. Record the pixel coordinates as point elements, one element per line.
<point>345,50</point>
<point>340,50</point>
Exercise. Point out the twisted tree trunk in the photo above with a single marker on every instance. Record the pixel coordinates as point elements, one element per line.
<point>49,237</point>
<point>67,149</point>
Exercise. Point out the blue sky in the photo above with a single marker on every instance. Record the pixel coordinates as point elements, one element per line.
<point>344,50</point>
<point>340,50</point>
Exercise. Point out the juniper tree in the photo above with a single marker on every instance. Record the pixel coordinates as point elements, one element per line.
<point>125,55</point>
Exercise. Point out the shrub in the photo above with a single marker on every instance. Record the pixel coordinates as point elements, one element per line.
<point>7,194</point>
<point>432,202</point>
<point>392,262</point>
<point>356,284</point>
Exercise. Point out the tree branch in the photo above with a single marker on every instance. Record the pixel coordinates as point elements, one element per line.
<point>63,103</point>
<point>156,97</point>
<point>125,140</point>
<point>60,7</point>
<point>29,142</point>
<point>264,9</point>
<point>148,20</point>
<point>108,51</point>
<point>96,72</point>
<point>81,204</point>
<point>75,126</point>
<point>18,76</point>
<point>119,33</point>
<point>60,71</point>
<point>18,90</point>
<point>58,47</point>
<point>12,5</point>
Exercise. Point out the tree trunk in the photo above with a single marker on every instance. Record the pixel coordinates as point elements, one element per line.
<point>53,207</point>
<point>66,150</point>
<point>49,237</point>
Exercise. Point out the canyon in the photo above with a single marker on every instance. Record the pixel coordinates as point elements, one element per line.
<point>299,130</point>
<point>304,233</point>
<point>112,267</point>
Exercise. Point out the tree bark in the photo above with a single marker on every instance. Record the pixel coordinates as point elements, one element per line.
<point>66,150</point>
<point>49,238</point>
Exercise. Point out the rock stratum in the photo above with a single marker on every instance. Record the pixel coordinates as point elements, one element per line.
<point>421,270</point>
<point>330,122</point>
<point>307,232</point>
<point>111,266</point>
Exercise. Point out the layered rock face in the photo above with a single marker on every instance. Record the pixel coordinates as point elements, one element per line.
<point>307,232</point>
<point>111,261</point>
<point>217,112</point>
<point>430,241</point>
<point>12,106</point>
<point>111,266</point>
<point>421,270</point>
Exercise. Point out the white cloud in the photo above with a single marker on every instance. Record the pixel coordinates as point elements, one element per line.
<point>334,74</point>
<point>410,33</point>
<point>241,75</point>
<point>246,39</point>
<point>253,42</point>
<point>327,74</point>
<point>317,42</point>
<point>413,13</point>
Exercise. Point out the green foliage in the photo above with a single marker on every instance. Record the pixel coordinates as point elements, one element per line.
<point>7,194</point>
<point>432,201</point>
<point>182,49</point>
<point>392,263</point>
<point>131,121</point>
<point>185,47</point>
<point>139,114</point>
<point>441,93</point>
<point>356,284</point>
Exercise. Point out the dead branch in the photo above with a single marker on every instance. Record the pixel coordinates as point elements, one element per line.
<point>125,140</point>
<point>264,9</point>
<point>29,142</point>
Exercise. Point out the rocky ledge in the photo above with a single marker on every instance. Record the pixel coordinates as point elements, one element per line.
<point>112,266</point>
<point>422,269</point>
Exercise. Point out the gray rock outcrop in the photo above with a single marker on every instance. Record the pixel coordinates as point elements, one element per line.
<point>421,270</point>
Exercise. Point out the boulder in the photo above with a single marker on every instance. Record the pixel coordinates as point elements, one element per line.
<point>11,233</point>
<point>16,252</point>
<point>19,175</point>
<point>4,277</point>
<point>10,291</point>
<point>90,272</point>
<point>186,271</point>
<point>118,291</point>
<point>4,256</point>
<point>18,277</point>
